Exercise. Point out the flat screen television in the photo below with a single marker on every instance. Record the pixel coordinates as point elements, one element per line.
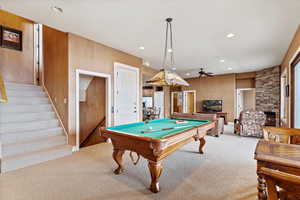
<point>212,106</point>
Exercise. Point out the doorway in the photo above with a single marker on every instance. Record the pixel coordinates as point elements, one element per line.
<point>245,100</point>
<point>176,102</point>
<point>90,88</point>
<point>189,101</point>
<point>295,109</point>
<point>159,101</point>
<point>38,54</point>
<point>126,94</point>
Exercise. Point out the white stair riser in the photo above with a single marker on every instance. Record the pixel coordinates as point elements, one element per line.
<point>26,117</point>
<point>28,126</point>
<point>31,135</point>
<point>27,101</point>
<point>14,86</point>
<point>21,148</point>
<point>24,108</point>
<point>22,93</point>
<point>10,165</point>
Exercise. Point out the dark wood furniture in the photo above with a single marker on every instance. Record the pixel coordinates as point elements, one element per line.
<point>277,156</point>
<point>289,184</point>
<point>219,115</point>
<point>155,150</point>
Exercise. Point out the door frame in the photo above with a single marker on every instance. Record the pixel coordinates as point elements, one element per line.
<point>172,101</point>
<point>293,64</point>
<point>121,65</point>
<point>77,99</point>
<point>184,110</point>
<point>236,97</point>
<point>162,111</point>
<point>38,67</point>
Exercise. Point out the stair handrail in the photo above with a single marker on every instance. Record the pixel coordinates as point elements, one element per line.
<point>101,123</point>
<point>3,95</point>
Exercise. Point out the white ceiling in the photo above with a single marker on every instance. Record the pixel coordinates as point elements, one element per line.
<point>263,28</point>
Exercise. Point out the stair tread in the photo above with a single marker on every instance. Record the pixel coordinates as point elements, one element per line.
<point>29,126</point>
<point>32,113</point>
<point>54,148</point>
<point>22,105</point>
<point>29,122</point>
<point>52,138</point>
<point>38,130</point>
<point>21,84</point>
<point>49,113</point>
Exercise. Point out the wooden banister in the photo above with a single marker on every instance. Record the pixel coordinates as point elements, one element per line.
<point>3,96</point>
<point>101,123</point>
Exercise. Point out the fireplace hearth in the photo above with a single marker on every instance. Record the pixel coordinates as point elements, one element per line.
<point>270,119</point>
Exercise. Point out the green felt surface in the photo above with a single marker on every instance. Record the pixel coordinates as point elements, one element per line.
<point>157,125</point>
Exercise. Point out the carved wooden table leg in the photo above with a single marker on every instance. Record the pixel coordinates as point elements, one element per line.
<point>202,143</point>
<point>261,187</point>
<point>155,171</point>
<point>118,157</point>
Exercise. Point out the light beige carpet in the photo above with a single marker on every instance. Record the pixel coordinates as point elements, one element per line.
<point>225,172</point>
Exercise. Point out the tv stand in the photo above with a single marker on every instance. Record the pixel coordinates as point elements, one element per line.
<point>219,114</point>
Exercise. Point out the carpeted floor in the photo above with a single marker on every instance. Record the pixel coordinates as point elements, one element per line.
<point>225,172</point>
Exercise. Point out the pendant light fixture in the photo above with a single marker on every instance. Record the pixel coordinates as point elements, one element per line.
<point>166,77</point>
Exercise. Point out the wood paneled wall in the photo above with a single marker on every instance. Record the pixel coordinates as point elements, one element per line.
<point>18,66</point>
<point>55,44</point>
<point>93,110</point>
<point>293,49</point>
<point>89,55</point>
<point>245,83</point>
<point>221,87</point>
<point>245,80</point>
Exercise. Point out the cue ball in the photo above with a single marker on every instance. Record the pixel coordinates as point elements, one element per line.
<point>150,127</point>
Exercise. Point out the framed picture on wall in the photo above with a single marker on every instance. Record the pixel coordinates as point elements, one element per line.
<point>11,38</point>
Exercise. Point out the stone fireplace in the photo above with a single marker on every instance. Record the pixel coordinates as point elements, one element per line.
<point>267,84</point>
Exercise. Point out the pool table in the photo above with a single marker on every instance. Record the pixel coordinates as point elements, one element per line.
<point>154,141</point>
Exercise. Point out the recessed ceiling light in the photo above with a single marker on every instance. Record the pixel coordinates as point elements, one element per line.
<point>141,47</point>
<point>222,60</point>
<point>229,68</point>
<point>57,9</point>
<point>174,68</point>
<point>170,50</point>
<point>230,35</point>
<point>187,74</point>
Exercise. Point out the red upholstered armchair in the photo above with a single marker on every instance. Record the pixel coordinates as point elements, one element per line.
<point>250,123</point>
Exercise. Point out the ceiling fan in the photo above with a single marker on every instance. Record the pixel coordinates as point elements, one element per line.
<point>202,73</point>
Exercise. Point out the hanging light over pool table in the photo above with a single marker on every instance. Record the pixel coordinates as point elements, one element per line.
<point>167,77</point>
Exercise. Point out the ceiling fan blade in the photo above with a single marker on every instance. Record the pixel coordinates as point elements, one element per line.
<point>207,74</point>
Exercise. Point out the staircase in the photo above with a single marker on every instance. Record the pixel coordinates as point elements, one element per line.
<point>30,132</point>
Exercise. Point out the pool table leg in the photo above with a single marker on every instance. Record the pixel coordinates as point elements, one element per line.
<point>155,171</point>
<point>118,157</point>
<point>201,146</point>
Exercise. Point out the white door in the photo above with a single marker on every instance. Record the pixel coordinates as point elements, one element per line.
<point>126,98</point>
<point>159,99</point>
<point>240,102</point>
